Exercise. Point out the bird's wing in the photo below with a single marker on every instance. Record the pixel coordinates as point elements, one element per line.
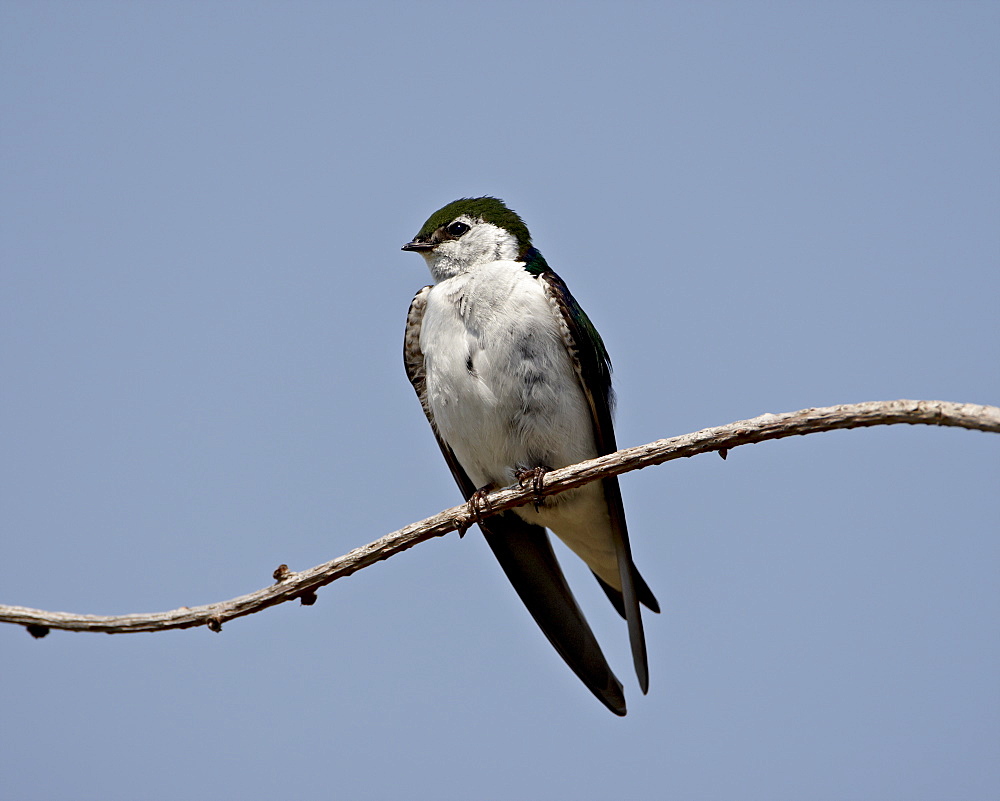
<point>593,368</point>
<point>526,556</point>
<point>524,553</point>
<point>413,360</point>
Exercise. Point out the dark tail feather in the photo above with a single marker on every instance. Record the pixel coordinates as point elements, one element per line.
<point>642,590</point>
<point>526,556</point>
<point>633,615</point>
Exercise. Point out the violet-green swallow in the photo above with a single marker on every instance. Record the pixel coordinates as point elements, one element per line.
<point>515,380</point>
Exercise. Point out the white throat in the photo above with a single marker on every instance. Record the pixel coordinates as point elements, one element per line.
<point>483,243</point>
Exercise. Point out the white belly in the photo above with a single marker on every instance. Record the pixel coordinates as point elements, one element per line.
<point>505,396</point>
<point>500,382</point>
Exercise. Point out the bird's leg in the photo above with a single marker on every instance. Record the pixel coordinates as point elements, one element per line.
<point>479,502</point>
<point>536,475</point>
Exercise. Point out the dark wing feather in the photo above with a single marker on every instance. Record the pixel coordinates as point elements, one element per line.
<point>524,553</point>
<point>526,556</point>
<point>593,367</point>
<point>413,361</point>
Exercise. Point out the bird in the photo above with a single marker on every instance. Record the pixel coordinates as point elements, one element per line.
<point>515,381</point>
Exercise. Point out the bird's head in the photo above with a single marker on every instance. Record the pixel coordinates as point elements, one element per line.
<point>470,232</point>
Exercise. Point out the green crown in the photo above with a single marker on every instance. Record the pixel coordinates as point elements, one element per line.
<point>489,209</point>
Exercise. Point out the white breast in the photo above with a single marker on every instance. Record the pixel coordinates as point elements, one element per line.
<point>500,382</point>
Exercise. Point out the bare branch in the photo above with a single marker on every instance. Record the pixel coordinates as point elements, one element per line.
<point>303,585</point>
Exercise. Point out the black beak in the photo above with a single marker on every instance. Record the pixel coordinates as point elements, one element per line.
<point>419,246</point>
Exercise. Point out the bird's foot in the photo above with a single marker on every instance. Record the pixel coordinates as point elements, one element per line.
<point>536,476</point>
<point>479,502</point>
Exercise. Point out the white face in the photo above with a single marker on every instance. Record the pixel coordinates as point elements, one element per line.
<point>481,243</point>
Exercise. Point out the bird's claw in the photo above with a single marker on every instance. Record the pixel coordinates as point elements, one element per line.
<point>536,476</point>
<point>479,502</point>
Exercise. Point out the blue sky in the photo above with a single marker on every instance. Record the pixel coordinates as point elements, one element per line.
<point>763,207</point>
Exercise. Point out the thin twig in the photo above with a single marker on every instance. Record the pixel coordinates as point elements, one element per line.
<point>303,585</point>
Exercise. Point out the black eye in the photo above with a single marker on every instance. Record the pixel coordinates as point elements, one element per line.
<point>456,229</point>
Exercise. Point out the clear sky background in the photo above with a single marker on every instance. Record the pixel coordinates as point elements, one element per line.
<point>763,207</point>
